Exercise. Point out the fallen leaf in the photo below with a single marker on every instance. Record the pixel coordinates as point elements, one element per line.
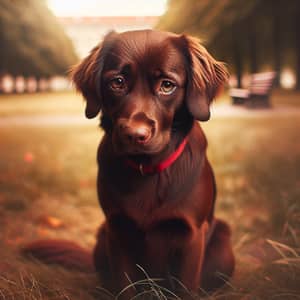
<point>51,222</point>
<point>42,232</point>
<point>28,157</point>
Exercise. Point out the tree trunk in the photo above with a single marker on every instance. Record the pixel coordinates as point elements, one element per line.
<point>277,42</point>
<point>237,55</point>
<point>253,48</point>
<point>297,31</point>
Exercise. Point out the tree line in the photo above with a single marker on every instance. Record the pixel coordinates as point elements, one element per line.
<point>251,36</point>
<point>32,42</point>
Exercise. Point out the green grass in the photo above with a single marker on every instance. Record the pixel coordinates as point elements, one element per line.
<point>51,171</point>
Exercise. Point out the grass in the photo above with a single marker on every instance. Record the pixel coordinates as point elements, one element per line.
<point>288,98</point>
<point>40,104</point>
<point>48,189</point>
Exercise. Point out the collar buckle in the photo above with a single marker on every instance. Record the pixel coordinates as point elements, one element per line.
<point>141,169</point>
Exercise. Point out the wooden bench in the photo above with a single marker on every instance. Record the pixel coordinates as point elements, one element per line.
<point>258,92</point>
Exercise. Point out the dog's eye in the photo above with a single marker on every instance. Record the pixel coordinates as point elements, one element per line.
<point>167,87</point>
<point>117,83</point>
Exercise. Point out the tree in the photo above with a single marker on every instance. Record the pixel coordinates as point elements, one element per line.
<point>32,40</point>
<point>250,36</point>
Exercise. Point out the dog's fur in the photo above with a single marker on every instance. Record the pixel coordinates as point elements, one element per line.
<point>152,87</point>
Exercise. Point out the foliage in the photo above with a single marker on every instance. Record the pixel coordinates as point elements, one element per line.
<point>32,41</point>
<point>250,36</point>
<point>203,18</point>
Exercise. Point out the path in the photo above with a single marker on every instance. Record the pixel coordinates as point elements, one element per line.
<point>217,111</point>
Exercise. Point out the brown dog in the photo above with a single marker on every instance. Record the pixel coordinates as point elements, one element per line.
<point>155,184</point>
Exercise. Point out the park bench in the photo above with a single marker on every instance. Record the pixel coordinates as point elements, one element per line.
<point>258,93</point>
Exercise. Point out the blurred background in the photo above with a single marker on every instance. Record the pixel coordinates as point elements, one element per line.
<point>47,147</point>
<point>40,39</point>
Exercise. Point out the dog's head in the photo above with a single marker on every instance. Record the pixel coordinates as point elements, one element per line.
<point>148,84</point>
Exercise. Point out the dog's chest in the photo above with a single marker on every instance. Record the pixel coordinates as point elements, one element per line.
<point>131,194</point>
<point>141,199</point>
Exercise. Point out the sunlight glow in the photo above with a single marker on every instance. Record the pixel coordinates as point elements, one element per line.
<point>79,8</point>
<point>288,79</point>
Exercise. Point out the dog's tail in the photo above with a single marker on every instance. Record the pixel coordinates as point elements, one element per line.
<point>60,252</point>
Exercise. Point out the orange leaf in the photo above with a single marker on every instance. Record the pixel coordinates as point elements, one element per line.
<point>51,222</point>
<point>28,157</point>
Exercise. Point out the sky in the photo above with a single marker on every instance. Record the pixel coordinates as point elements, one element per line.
<point>81,8</point>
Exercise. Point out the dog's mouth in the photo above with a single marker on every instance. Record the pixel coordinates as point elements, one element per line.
<point>138,135</point>
<point>128,146</point>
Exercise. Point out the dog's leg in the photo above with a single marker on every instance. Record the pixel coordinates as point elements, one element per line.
<point>219,259</point>
<point>192,260</point>
<point>101,258</point>
<point>115,265</point>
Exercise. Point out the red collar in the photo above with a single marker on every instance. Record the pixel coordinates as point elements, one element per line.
<point>150,169</point>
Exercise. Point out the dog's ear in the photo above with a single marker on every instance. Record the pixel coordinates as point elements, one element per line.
<point>84,77</point>
<point>87,77</point>
<point>206,77</point>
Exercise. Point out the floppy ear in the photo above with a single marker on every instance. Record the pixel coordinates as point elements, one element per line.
<point>84,76</point>
<point>87,77</point>
<point>206,77</point>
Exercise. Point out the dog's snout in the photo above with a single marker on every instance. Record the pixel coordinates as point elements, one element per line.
<point>138,134</point>
<point>137,130</point>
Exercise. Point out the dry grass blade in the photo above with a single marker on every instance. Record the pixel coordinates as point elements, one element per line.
<point>139,283</point>
<point>187,291</point>
<point>280,248</point>
<point>285,295</point>
<point>151,286</point>
<point>155,285</point>
<point>152,283</point>
<point>293,233</point>
<point>225,279</point>
<point>130,281</point>
<point>143,293</point>
<point>288,261</point>
<point>101,290</point>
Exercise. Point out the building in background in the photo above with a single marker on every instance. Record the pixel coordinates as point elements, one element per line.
<point>86,32</point>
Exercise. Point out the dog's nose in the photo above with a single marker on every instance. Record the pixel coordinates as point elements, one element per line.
<point>137,134</point>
